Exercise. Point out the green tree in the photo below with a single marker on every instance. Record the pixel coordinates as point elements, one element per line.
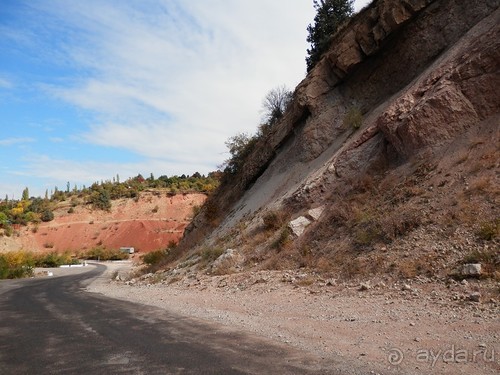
<point>240,146</point>
<point>100,200</point>
<point>4,220</point>
<point>329,15</point>
<point>26,194</point>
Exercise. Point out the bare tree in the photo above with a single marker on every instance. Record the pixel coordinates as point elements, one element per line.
<point>275,104</point>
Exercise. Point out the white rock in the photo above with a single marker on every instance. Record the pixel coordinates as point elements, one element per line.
<point>230,256</point>
<point>471,269</point>
<point>315,213</point>
<point>299,225</point>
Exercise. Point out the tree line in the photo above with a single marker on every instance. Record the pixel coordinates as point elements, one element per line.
<point>99,196</point>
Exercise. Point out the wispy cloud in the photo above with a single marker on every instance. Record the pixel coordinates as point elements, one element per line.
<point>172,80</point>
<point>14,141</point>
<point>6,83</point>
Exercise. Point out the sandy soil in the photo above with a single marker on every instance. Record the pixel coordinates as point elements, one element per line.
<point>417,327</point>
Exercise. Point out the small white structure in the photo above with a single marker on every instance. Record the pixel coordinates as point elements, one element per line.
<point>127,250</point>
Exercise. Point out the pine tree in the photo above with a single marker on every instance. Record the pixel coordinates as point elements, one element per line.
<point>330,14</point>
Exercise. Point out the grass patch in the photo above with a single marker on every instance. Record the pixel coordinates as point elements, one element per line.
<point>282,240</point>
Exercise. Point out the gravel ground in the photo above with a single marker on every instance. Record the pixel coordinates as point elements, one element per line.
<point>417,326</point>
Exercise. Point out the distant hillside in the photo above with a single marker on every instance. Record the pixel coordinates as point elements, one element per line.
<point>385,162</point>
<point>151,221</point>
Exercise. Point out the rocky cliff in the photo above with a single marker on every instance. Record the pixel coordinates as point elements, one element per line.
<point>416,169</point>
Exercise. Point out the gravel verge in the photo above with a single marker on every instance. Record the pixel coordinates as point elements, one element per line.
<point>416,326</point>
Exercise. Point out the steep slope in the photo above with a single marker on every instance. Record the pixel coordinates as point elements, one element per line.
<point>414,177</point>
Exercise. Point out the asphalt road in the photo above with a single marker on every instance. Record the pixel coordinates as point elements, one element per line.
<point>52,326</point>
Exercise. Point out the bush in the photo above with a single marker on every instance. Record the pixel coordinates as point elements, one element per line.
<point>16,264</point>
<point>274,220</point>
<point>100,200</point>
<point>8,230</point>
<point>211,253</point>
<point>101,253</point>
<point>154,257</point>
<point>489,230</point>
<point>54,259</point>
<point>240,146</point>
<point>282,240</point>
<point>47,215</point>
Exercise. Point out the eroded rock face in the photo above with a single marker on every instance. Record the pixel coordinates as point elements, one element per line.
<point>454,97</point>
<point>421,72</point>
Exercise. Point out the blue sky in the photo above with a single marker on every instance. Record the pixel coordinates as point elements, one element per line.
<point>91,89</point>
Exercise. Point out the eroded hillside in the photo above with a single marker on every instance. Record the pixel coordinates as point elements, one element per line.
<point>149,222</point>
<point>410,190</point>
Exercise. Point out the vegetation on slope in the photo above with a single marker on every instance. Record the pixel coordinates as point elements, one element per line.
<point>99,195</point>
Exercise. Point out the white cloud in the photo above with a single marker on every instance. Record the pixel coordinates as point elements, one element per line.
<point>360,4</point>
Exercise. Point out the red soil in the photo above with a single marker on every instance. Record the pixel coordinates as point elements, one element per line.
<point>149,224</point>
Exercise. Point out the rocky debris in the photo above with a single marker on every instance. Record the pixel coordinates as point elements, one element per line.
<point>299,225</point>
<point>471,270</point>
<point>406,287</point>
<point>131,282</point>
<point>229,258</point>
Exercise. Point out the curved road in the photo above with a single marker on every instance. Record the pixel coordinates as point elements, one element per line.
<point>52,326</point>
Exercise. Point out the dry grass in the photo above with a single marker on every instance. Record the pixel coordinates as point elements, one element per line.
<point>409,268</point>
<point>489,230</point>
